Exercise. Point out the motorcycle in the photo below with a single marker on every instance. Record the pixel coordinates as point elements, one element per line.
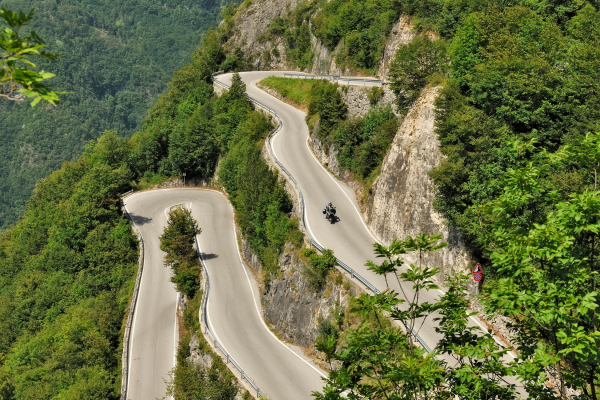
<point>329,212</point>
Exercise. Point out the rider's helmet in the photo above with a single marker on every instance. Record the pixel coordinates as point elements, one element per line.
<point>329,204</point>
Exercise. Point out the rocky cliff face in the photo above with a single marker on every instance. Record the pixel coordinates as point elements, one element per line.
<point>267,52</point>
<point>251,26</point>
<point>290,305</point>
<point>357,100</point>
<point>401,202</point>
<point>294,309</point>
<point>402,33</point>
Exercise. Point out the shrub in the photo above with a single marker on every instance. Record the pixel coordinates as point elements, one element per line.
<point>318,267</point>
<point>375,94</point>
<point>413,64</point>
<point>178,241</point>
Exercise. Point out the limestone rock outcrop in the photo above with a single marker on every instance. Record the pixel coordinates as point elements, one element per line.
<point>251,28</point>
<point>402,196</point>
<point>293,308</point>
<point>402,33</point>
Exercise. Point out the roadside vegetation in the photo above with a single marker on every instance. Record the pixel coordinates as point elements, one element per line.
<point>211,379</point>
<point>177,241</point>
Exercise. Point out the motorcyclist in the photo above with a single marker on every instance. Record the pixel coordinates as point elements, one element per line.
<point>329,211</point>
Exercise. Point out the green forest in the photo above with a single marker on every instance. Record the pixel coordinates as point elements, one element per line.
<point>115,60</point>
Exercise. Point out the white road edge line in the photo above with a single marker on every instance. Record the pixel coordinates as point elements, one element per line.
<point>253,83</point>
<point>131,334</point>
<point>305,209</point>
<point>259,313</point>
<point>342,189</point>
<point>208,300</point>
<point>175,335</point>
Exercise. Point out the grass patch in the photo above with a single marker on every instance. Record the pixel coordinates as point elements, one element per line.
<point>296,90</point>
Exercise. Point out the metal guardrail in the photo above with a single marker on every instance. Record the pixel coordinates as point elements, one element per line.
<point>207,330</point>
<point>132,303</point>
<point>332,78</point>
<point>312,241</point>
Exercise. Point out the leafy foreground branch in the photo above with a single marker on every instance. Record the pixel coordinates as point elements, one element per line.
<point>18,77</point>
<point>378,361</point>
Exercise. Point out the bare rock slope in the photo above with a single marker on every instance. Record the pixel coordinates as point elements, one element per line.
<point>401,202</point>
<point>251,26</point>
<point>402,33</point>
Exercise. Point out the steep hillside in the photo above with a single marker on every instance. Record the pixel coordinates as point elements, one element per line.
<point>117,57</point>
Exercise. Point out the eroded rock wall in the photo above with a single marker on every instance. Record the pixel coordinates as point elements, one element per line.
<point>293,308</point>
<point>251,27</point>
<point>402,197</point>
<point>290,305</point>
<point>267,52</point>
<point>402,33</point>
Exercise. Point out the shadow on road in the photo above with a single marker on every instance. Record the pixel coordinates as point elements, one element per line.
<point>139,220</point>
<point>208,256</point>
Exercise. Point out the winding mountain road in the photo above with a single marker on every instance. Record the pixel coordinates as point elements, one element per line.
<point>233,307</point>
<point>350,238</point>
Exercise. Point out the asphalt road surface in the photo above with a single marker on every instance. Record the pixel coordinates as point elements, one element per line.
<point>233,303</point>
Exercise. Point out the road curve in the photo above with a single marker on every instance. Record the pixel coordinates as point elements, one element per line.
<point>233,303</point>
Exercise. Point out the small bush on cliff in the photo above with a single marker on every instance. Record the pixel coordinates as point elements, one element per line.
<point>318,267</point>
<point>327,103</point>
<point>375,94</point>
<point>364,142</point>
<point>413,65</point>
